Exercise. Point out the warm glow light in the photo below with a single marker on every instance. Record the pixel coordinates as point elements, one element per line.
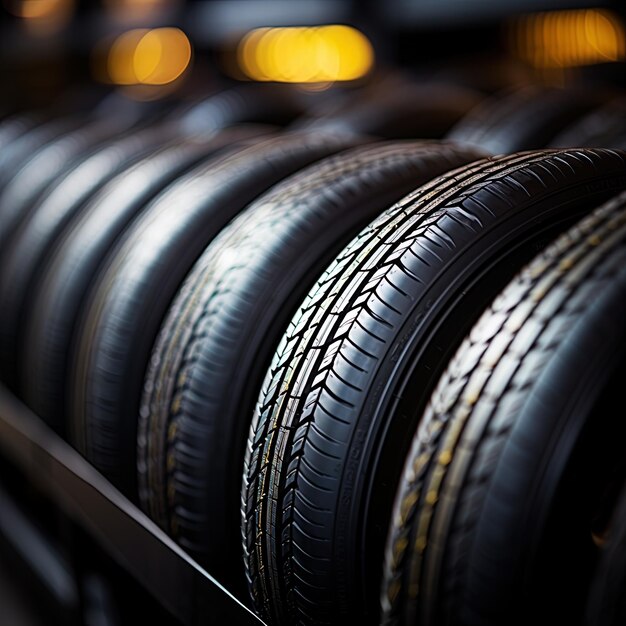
<point>558,39</point>
<point>33,9</point>
<point>148,57</point>
<point>322,54</point>
<point>134,10</point>
<point>43,16</point>
<point>120,66</point>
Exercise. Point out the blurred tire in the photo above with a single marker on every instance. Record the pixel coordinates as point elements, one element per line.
<point>394,109</point>
<point>59,292</point>
<point>21,148</point>
<point>524,119</point>
<point>46,164</point>
<point>139,280</point>
<point>604,127</point>
<point>35,234</point>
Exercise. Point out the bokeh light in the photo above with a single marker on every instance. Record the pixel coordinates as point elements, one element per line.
<point>560,39</point>
<point>323,54</point>
<point>148,56</point>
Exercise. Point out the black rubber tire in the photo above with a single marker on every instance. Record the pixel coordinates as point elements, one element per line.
<point>607,598</point>
<point>18,151</point>
<point>139,280</point>
<point>226,323</point>
<point>332,424</point>
<point>524,119</point>
<point>604,127</point>
<point>397,110</point>
<point>35,234</point>
<point>45,166</point>
<point>58,291</point>
<point>251,103</point>
<point>493,520</point>
<point>14,127</point>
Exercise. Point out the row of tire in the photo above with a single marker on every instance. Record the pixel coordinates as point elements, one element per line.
<point>300,311</point>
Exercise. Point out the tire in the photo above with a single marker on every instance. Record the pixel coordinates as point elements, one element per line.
<point>139,280</point>
<point>332,424</point>
<point>49,162</point>
<point>396,111</point>
<point>249,103</point>
<point>36,232</point>
<point>506,471</point>
<point>18,151</point>
<point>58,292</point>
<point>604,127</point>
<point>13,127</point>
<point>607,598</point>
<point>226,323</point>
<point>525,119</point>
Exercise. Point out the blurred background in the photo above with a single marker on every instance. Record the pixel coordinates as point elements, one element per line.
<point>75,53</point>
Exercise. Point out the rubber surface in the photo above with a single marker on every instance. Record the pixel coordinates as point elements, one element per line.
<point>142,274</point>
<point>486,527</point>
<point>248,103</point>
<point>216,343</point>
<point>356,367</point>
<point>604,127</point>
<point>14,126</point>
<point>525,119</point>
<point>39,171</point>
<point>32,238</point>
<point>18,151</point>
<point>58,293</point>
<point>395,111</point>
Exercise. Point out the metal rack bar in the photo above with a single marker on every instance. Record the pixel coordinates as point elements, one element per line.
<point>175,580</point>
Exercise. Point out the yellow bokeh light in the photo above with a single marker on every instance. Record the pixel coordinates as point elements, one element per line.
<point>246,51</point>
<point>322,54</point>
<point>559,39</point>
<point>148,57</point>
<point>120,67</point>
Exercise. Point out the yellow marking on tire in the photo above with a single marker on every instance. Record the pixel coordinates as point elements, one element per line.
<point>445,457</point>
<point>407,504</point>
<point>431,497</point>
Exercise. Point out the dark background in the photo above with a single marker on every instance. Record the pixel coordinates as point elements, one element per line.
<point>44,62</point>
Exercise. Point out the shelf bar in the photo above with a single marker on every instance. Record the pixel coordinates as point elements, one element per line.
<point>175,580</point>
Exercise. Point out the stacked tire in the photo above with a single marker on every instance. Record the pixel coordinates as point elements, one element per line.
<point>355,378</point>
<point>354,372</point>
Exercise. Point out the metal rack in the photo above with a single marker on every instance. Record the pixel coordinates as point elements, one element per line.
<point>174,580</point>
